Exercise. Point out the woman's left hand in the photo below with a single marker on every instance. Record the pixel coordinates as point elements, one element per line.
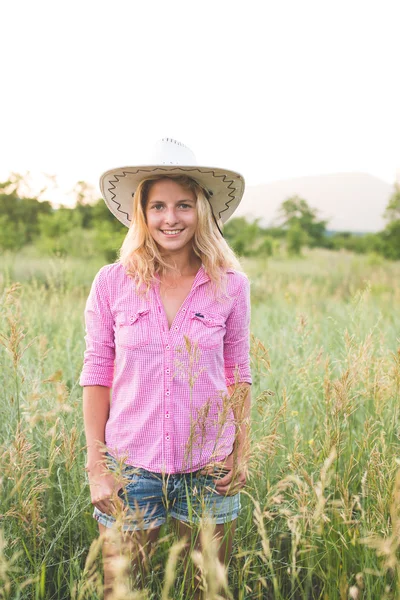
<point>234,480</point>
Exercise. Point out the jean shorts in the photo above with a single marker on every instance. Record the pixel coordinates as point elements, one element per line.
<point>148,497</point>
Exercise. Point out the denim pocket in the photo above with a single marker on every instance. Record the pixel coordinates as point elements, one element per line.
<point>131,482</point>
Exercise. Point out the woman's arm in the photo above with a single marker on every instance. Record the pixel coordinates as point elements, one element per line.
<point>241,398</point>
<point>97,379</point>
<point>96,408</point>
<point>236,462</point>
<point>238,382</point>
<point>103,484</point>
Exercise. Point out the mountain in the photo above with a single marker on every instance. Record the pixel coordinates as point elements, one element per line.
<point>350,201</point>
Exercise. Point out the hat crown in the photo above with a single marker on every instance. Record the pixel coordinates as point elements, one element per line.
<point>171,152</point>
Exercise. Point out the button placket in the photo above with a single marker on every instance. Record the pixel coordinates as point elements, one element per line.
<point>168,445</point>
<point>170,337</point>
<point>167,340</point>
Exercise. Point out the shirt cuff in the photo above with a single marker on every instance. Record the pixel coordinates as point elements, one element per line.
<point>233,381</point>
<point>96,377</point>
<point>238,374</point>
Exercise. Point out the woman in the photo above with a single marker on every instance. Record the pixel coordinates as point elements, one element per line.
<point>167,328</point>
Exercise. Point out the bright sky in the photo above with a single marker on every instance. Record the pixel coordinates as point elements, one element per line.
<point>274,89</point>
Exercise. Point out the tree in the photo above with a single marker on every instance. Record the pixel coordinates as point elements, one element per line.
<point>85,199</point>
<point>19,216</point>
<point>391,240</point>
<point>59,222</point>
<point>391,234</point>
<point>392,212</point>
<point>296,212</point>
<point>243,236</point>
<point>296,238</point>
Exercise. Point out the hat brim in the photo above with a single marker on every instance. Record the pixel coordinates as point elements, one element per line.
<point>225,187</point>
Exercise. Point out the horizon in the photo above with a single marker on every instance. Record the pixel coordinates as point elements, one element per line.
<point>36,185</point>
<point>333,196</point>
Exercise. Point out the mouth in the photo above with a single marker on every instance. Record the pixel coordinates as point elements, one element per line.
<point>171,232</point>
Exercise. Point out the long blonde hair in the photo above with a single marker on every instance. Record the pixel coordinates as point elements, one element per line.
<point>140,255</point>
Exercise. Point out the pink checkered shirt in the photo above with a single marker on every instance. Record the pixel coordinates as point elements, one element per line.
<point>169,409</point>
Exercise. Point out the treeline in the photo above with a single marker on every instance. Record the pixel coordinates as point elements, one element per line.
<point>300,227</point>
<point>89,229</point>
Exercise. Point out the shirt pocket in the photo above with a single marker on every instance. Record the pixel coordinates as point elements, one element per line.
<point>132,329</point>
<point>207,330</point>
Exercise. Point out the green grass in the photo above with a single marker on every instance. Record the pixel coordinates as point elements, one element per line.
<point>320,514</point>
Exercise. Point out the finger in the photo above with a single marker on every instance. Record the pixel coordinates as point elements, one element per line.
<point>210,468</point>
<point>104,507</point>
<point>118,502</point>
<point>230,487</point>
<point>229,490</point>
<point>224,481</point>
<point>230,480</point>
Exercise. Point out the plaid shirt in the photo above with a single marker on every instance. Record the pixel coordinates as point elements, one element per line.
<point>169,411</point>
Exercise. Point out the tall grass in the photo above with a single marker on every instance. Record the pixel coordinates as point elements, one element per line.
<point>321,512</point>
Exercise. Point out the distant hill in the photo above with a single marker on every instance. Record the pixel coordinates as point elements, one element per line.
<point>351,201</point>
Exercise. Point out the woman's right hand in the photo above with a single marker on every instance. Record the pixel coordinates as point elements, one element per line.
<point>104,487</point>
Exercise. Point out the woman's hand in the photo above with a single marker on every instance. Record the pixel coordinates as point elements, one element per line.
<point>236,464</point>
<point>104,487</point>
<point>235,478</point>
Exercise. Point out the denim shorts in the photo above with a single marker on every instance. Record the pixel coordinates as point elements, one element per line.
<point>148,497</point>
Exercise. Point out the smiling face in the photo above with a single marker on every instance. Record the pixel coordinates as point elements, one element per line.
<point>171,215</point>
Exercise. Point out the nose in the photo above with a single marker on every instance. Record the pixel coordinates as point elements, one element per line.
<point>170,217</point>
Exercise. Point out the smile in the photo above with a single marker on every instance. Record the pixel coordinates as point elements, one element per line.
<point>171,231</point>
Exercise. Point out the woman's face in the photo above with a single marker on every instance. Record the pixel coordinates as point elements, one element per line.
<point>171,215</point>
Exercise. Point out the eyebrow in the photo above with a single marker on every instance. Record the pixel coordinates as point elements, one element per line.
<point>177,202</point>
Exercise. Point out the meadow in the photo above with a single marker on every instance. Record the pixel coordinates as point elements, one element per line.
<point>321,511</point>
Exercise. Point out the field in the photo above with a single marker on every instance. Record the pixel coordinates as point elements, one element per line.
<point>321,512</point>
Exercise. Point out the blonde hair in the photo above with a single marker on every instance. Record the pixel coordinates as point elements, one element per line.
<point>141,257</point>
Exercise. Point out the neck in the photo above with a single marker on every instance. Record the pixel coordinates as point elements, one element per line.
<point>182,264</point>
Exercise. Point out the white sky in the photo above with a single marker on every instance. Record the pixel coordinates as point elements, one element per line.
<point>274,89</point>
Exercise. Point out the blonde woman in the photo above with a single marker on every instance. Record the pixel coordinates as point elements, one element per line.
<point>166,370</point>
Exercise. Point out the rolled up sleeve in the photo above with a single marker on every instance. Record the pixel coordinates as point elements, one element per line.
<point>98,364</point>
<point>237,339</point>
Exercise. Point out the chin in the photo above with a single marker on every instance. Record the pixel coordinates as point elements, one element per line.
<point>174,245</point>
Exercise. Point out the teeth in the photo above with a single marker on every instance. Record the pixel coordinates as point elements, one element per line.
<point>171,232</point>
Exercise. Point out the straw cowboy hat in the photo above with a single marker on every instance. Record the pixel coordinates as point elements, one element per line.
<point>224,189</point>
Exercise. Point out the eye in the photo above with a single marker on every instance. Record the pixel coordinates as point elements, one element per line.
<point>184,205</point>
<point>157,207</point>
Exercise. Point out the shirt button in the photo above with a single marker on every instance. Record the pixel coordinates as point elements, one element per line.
<point>167,437</point>
<point>167,415</point>
<point>176,327</point>
<point>167,393</point>
<point>167,347</point>
<point>183,309</point>
<point>168,371</point>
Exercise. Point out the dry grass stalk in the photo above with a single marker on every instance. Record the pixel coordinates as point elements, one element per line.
<point>13,340</point>
<point>171,566</point>
<point>388,548</point>
<point>213,573</point>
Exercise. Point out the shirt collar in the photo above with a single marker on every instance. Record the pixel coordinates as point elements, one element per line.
<point>200,277</point>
